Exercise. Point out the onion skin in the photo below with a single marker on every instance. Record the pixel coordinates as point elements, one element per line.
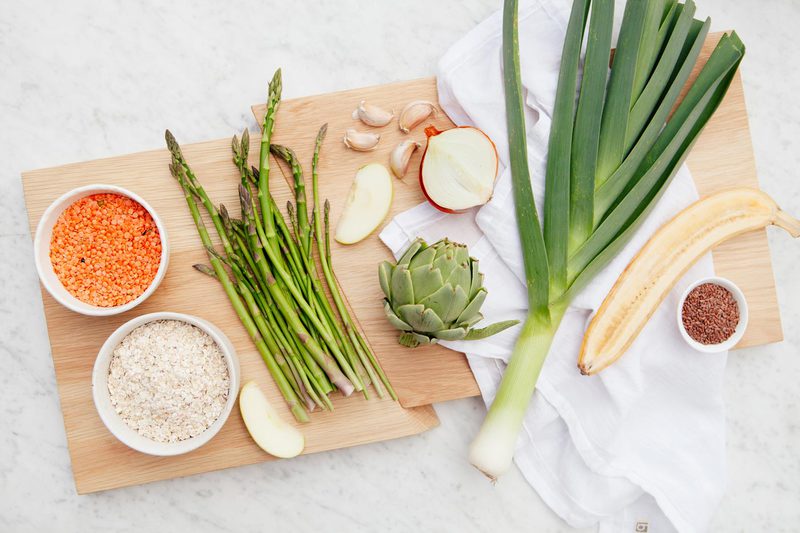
<point>432,131</point>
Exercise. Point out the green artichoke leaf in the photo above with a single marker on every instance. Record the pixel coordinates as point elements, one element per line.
<point>461,276</point>
<point>461,254</point>
<point>426,281</point>
<point>412,340</point>
<point>442,247</point>
<point>448,302</point>
<point>412,250</point>
<point>423,258</point>
<point>385,276</point>
<point>473,308</point>
<point>445,262</point>
<point>477,278</point>
<point>471,321</point>
<point>394,320</point>
<point>421,319</point>
<point>401,286</point>
<point>455,334</point>
<point>488,331</point>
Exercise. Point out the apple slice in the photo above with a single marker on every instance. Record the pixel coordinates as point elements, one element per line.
<point>458,168</point>
<point>367,204</point>
<point>270,432</point>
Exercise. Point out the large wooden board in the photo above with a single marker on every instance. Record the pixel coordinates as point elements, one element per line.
<point>101,462</point>
<point>722,158</point>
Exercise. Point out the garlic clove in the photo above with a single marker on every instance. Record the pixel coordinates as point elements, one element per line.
<point>372,115</point>
<point>361,141</point>
<point>414,113</point>
<point>401,156</point>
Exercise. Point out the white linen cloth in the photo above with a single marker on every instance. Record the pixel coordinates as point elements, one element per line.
<point>641,446</point>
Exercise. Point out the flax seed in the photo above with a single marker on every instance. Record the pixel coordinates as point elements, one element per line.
<point>710,314</point>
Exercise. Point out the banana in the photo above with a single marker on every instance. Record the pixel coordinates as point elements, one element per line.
<point>668,254</point>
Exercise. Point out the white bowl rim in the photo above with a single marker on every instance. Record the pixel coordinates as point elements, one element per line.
<point>741,327</point>
<point>129,436</point>
<point>63,296</point>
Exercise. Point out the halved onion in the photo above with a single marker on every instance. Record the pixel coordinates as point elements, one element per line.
<point>458,168</point>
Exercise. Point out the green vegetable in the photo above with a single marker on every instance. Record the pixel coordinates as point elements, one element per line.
<point>609,162</point>
<point>435,293</point>
<point>269,273</point>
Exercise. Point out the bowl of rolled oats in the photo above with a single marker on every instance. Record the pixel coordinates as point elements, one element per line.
<point>165,383</point>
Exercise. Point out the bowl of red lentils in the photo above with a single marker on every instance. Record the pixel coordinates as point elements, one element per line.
<point>712,315</point>
<point>100,250</point>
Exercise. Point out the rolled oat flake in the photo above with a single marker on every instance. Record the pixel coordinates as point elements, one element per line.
<point>710,314</point>
<point>168,380</point>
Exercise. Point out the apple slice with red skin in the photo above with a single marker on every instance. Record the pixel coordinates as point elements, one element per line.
<point>458,168</point>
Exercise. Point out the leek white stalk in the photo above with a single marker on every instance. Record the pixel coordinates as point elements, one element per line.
<point>609,160</point>
<point>493,449</point>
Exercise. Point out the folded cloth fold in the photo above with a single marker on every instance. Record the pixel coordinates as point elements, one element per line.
<point>639,447</point>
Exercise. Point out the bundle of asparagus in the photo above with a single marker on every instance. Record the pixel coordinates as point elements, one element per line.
<point>270,274</point>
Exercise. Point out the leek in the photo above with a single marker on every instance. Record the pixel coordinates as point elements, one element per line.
<point>612,155</point>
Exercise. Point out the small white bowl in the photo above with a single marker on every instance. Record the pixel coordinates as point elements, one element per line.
<point>41,250</point>
<point>734,339</point>
<point>129,436</point>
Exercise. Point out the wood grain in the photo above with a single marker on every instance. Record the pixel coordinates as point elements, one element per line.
<point>101,462</point>
<point>722,158</point>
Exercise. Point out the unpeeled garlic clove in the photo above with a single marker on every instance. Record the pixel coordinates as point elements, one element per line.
<point>372,115</point>
<point>414,113</point>
<point>400,157</point>
<point>361,141</point>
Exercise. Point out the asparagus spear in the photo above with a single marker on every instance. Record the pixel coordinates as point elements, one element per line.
<point>303,232</point>
<point>324,360</point>
<point>247,321</point>
<point>273,99</point>
<point>276,289</point>
<point>364,351</point>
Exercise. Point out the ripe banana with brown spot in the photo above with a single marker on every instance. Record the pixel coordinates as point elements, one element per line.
<point>668,254</point>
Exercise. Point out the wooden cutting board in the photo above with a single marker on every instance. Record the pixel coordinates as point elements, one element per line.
<point>101,462</point>
<point>722,158</point>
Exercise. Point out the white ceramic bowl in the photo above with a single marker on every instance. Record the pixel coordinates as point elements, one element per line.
<point>130,436</point>
<point>41,250</point>
<point>734,339</point>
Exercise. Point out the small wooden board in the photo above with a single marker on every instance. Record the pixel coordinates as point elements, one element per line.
<point>722,158</point>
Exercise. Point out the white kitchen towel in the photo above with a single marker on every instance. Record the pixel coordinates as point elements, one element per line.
<point>641,446</point>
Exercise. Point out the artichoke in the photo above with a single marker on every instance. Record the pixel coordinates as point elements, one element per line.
<point>435,293</point>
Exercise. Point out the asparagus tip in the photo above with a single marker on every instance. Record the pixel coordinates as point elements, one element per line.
<point>244,194</point>
<point>172,144</point>
<point>205,269</point>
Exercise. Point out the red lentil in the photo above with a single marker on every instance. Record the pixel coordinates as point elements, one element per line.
<point>710,314</point>
<point>105,249</point>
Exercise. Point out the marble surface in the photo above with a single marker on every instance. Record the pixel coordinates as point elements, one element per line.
<point>82,80</point>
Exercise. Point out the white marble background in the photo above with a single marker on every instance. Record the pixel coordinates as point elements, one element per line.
<point>82,80</point>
